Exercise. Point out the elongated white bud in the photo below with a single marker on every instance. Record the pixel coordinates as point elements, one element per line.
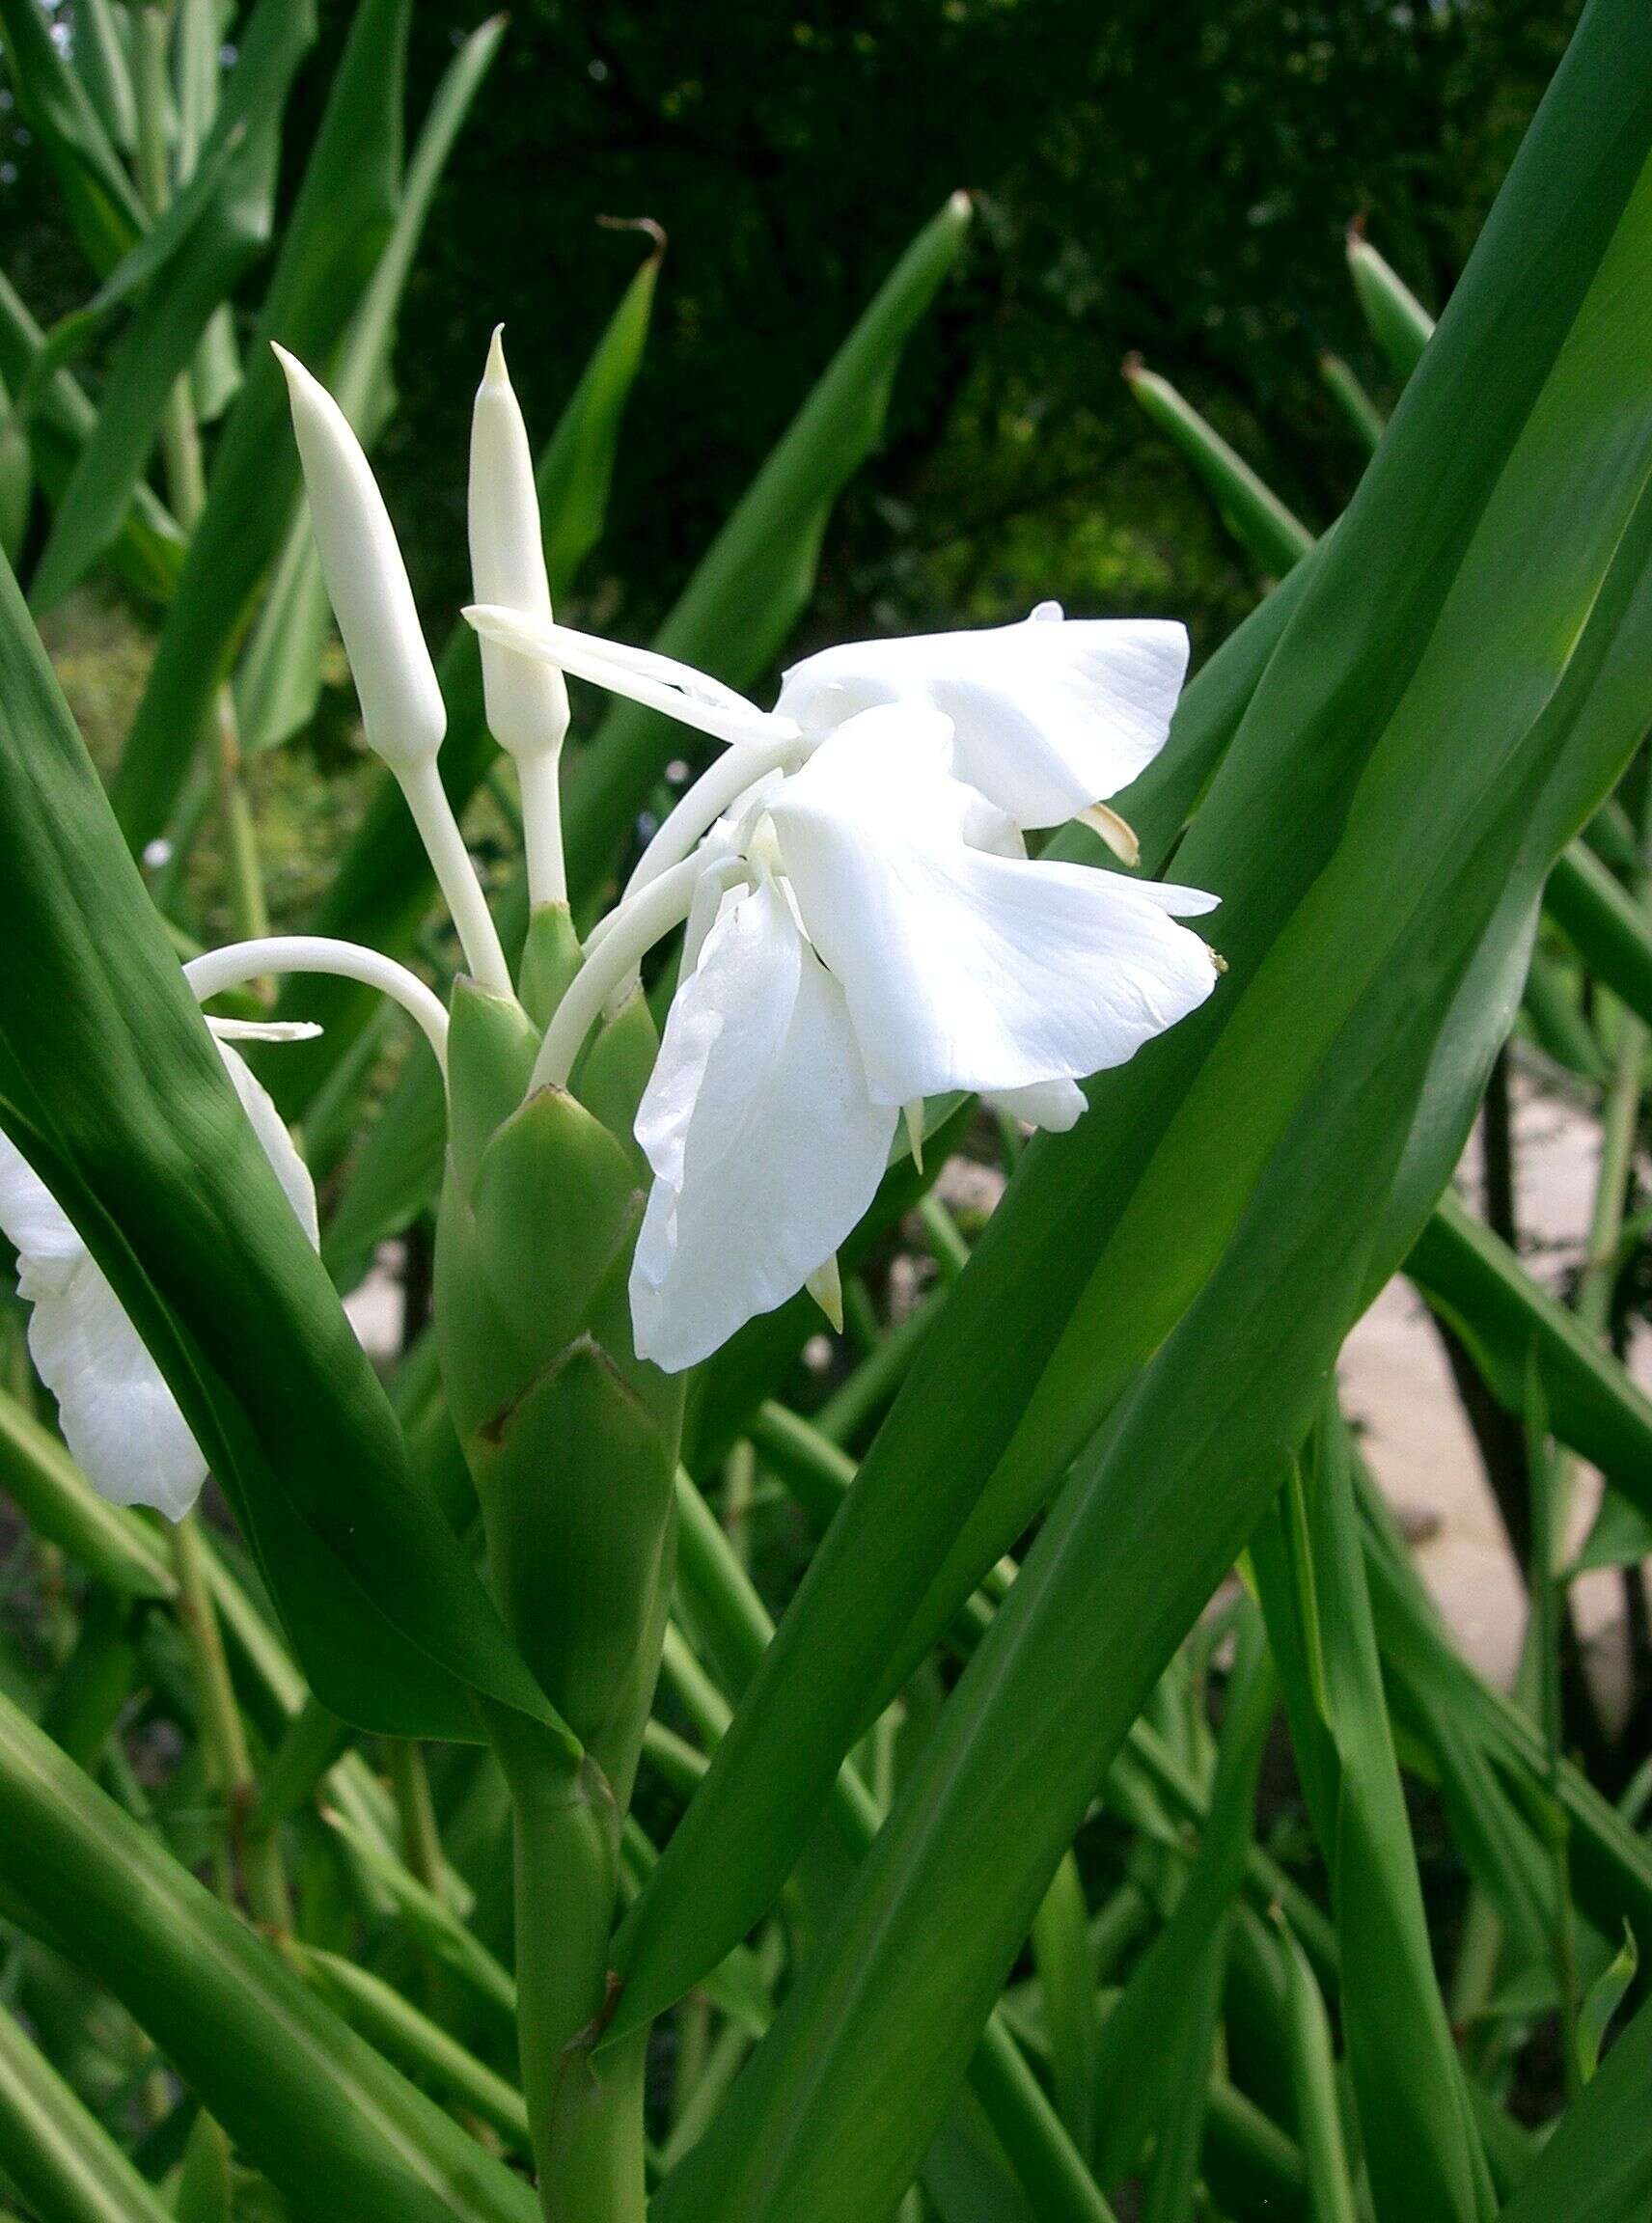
<point>366,581</point>
<point>527,700</point>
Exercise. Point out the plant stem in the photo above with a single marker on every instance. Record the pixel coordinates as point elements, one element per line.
<point>421,1838</point>
<point>248,908</point>
<point>223,1735</point>
<point>585,2109</point>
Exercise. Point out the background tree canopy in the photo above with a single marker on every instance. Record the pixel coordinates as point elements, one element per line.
<point>1173,180</point>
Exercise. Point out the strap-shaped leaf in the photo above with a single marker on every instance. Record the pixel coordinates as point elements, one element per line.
<point>1419,2143</point>
<point>345,208</point>
<point>104,204</point>
<point>110,1085</point>
<point>1597,2167</point>
<point>315,2108</point>
<point>190,260</point>
<point>1409,756</point>
<point>279,679</point>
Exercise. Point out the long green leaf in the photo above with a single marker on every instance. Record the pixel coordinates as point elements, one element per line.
<point>1594,1406</point>
<point>59,2156</point>
<point>1597,2166</point>
<point>1158,2020</point>
<point>1604,927</point>
<point>1420,2146</point>
<point>279,679</point>
<point>345,208</point>
<point>111,1085</point>
<point>1267,532</point>
<point>326,2119</point>
<point>1306,1073</point>
<point>103,204</point>
<point>149,554</point>
<point>230,229</point>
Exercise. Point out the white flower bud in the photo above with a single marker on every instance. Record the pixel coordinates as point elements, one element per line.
<point>366,581</point>
<point>527,699</point>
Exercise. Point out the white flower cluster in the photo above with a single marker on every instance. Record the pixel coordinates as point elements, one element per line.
<point>866,930</point>
<point>863,927</point>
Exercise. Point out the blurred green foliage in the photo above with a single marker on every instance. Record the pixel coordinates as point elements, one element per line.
<point>1169,178</point>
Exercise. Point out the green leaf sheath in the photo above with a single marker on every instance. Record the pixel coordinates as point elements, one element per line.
<point>572,1442</point>
<point>145,1147</point>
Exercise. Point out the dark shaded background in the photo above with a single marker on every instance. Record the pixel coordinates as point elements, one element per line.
<point>1153,175</point>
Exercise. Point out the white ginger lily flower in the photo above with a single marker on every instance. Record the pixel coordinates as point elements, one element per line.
<point>119,1417</point>
<point>1050,717</point>
<point>879,810</point>
<point>898,944</point>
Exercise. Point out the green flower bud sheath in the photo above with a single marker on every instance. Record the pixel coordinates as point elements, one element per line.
<point>572,1444</point>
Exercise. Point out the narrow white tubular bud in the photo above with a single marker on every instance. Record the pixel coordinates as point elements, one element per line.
<point>239,962</point>
<point>366,581</point>
<point>526,698</point>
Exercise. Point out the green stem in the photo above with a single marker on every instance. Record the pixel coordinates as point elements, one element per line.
<point>421,1838</point>
<point>224,1735</point>
<point>249,909</point>
<point>585,2109</point>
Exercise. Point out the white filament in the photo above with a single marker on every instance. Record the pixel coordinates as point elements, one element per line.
<point>239,962</point>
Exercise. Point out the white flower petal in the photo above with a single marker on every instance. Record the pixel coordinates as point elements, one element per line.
<point>42,1235</point>
<point>1050,716</point>
<point>270,1128</point>
<point>1052,1105</point>
<point>964,968</point>
<point>120,1419</point>
<point>765,1145</point>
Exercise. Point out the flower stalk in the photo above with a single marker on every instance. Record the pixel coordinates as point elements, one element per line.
<point>252,1849</point>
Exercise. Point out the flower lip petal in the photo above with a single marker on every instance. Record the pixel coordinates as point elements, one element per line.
<point>1050,715</point>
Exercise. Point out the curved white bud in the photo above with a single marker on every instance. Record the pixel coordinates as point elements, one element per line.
<point>366,581</point>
